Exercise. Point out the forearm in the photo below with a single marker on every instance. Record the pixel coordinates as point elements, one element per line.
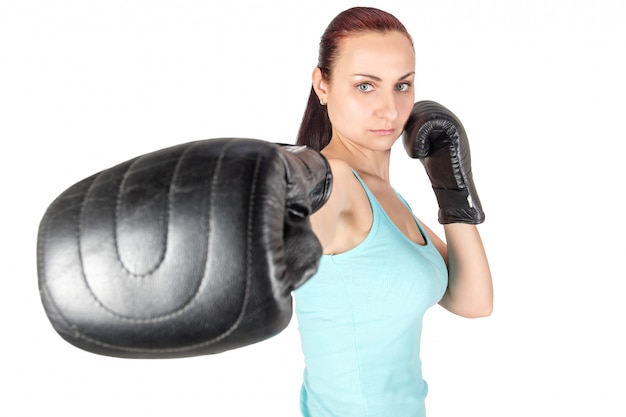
<point>470,288</point>
<point>436,136</point>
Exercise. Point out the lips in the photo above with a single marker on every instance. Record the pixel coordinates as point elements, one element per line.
<point>383,132</point>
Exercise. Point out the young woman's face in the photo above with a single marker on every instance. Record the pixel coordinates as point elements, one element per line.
<point>370,94</point>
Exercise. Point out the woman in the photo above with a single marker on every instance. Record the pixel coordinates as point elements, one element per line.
<point>360,316</point>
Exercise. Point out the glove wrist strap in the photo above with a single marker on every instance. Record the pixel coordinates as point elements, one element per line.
<point>455,206</point>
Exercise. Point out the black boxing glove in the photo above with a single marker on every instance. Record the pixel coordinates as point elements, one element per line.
<point>435,136</point>
<point>186,251</point>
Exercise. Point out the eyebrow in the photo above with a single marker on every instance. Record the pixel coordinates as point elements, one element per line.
<point>375,78</point>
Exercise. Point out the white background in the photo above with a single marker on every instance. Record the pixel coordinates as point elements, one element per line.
<point>539,85</point>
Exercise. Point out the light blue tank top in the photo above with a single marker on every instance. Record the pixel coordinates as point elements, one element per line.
<point>360,323</point>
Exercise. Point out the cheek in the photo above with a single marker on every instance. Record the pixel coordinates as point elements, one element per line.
<point>408,99</point>
<point>353,106</point>
<point>405,106</point>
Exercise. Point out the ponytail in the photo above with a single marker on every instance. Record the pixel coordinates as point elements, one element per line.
<point>315,129</point>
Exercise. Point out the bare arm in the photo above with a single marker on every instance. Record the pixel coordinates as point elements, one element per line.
<point>344,221</point>
<point>326,220</point>
<point>470,289</point>
<point>438,139</point>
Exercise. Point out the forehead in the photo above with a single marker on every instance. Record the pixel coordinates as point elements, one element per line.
<point>376,53</point>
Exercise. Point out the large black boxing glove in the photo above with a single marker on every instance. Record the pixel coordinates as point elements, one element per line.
<point>436,136</point>
<point>186,251</point>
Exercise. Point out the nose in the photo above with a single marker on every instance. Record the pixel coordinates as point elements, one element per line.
<point>387,107</point>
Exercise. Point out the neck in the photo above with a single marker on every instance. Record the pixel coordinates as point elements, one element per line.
<point>366,162</point>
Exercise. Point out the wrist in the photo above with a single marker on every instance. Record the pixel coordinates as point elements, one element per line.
<point>456,206</point>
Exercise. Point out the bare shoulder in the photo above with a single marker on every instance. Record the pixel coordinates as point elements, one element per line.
<point>341,169</point>
<point>338,201</point>
<point>345,184</point>
<point>346,216</point>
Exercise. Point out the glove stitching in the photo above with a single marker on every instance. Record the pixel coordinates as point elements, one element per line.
<point>164,241</point>
<point>75,331</point>
<point>180,310</point>
<point>247,287</point>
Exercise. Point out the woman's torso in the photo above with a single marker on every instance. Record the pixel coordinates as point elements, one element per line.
<point>360,321</point>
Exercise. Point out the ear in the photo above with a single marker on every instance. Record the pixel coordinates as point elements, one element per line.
<point>320,85</point>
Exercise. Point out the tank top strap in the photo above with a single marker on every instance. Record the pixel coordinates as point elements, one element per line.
<point>378,210</point>
<point>367,190</point>
<point>376,207</point>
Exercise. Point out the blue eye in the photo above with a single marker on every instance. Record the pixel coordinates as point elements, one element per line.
<point>364,87</point>
<point>403,87</point>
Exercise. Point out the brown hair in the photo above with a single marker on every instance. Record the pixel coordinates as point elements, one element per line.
<point>315,129</point>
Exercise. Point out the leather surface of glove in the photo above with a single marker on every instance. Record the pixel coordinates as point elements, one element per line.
<point>435,136</point>
<point>185,251</point>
